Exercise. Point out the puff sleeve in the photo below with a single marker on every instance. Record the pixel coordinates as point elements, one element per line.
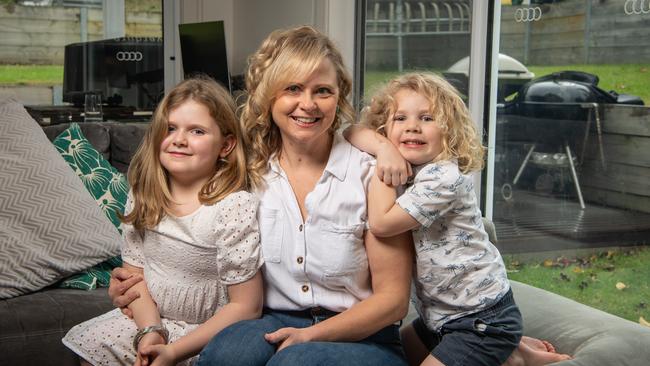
<point>132,247</point>
<point>238,252</point>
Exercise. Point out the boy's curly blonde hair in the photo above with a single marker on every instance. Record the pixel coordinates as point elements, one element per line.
<point>460,139</point>
<point>284,57</point>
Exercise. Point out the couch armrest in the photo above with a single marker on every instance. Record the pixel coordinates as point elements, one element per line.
<point>591,336</point>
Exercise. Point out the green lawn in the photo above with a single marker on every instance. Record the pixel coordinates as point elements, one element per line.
<point>624,79</point>
<point>31,74</point>
<point>593,281</point>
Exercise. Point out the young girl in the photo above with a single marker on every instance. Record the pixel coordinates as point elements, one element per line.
<point>467,315</point>
<point>190,228</point>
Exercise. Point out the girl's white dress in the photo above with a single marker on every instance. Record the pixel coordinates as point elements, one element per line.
<point>188,262</point>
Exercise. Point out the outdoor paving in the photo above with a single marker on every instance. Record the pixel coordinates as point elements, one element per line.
<point>532,222</point>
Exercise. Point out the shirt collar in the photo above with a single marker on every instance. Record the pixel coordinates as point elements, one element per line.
<point>337,164</point>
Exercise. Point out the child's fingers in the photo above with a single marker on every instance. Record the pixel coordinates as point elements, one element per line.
<point>380,173</point>
<point>152,350</point>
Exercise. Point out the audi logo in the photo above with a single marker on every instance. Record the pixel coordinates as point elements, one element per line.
<point>529,14</point>
<point>129,56</point>
<point>633,7</point>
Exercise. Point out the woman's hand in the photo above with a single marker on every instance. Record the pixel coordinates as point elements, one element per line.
<point>121,281</point>
<point>392,168</point>
<point>285,337</point>
<point>145,356</point>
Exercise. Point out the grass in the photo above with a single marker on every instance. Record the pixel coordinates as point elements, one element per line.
<point>31,74</point>
<point>623,78</point>
<point>617,282</point>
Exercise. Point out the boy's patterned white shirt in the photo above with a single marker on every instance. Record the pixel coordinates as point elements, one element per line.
<point>457,270</point>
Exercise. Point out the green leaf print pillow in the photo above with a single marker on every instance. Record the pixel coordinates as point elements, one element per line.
<point>108,187</point>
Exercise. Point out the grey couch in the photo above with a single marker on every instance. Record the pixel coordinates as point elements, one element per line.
<point>117,141</point>
<point>31,326</point>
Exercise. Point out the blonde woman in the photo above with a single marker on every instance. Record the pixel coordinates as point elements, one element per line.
<point>190,230</point>
<point>334,292</point>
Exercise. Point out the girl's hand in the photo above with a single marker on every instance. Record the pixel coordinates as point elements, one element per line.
<point>149,339</point>
<point>162,355</point>
<point>285,337</point>
<point>392,168</point>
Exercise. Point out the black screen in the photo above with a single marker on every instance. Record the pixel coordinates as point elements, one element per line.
<point>126,71</point>
<point>203,49</point>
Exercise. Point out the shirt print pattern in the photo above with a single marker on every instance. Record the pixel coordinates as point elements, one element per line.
<point>457,270</point>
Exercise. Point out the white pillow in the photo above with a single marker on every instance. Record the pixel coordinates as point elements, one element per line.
<point>50,226</point>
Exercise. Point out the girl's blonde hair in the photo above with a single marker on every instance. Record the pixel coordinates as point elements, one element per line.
<point>460,139</point>
<point>149,179</point>
<point>285,56</point>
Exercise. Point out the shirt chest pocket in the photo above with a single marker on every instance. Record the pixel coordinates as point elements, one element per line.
<point>271,234</point>
<point>345,253</point>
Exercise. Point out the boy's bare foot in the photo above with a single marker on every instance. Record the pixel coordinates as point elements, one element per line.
<point>538,344</point>
<point>534,352</point>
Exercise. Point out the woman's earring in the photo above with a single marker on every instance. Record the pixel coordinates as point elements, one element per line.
<point>223,160</point>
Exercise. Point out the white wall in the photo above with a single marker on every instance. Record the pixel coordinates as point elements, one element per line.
<point>248,22</point>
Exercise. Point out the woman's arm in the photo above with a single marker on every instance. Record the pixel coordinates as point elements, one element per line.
<point>385,217</point>
<point>145,313</point>
<point>390,261</point>
<point>144,309</point>
<point>245,303</point>
<point>392,168</point>
<point>119,284</point>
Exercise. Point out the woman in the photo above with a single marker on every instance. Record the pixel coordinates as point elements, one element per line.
<point>334,292</point>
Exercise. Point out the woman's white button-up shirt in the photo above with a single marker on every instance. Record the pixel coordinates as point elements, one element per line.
<point>320,261</point>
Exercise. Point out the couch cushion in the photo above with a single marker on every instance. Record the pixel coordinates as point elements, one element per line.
<point>31,326</point>
<point>107,186</point>
<point>125,139</point>
<point>591,336</point>
<point>98,133</point>
<point>50,226</point>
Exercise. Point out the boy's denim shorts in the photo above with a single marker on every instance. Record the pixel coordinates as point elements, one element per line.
<point>487,337</point>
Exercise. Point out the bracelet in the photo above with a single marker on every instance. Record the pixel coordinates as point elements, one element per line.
<point>160,329</point>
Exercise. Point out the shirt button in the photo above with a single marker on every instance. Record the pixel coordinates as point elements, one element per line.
<point>299,260</point>
<point>300,227</point>
<point>305,288</point>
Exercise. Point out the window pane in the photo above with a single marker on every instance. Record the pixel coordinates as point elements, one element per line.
<point>54,52</point>
<point>572,129</point>
<point>413,35</point>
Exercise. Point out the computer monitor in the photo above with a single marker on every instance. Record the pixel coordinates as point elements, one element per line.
<point>127,72</point>
<point>203,50</point>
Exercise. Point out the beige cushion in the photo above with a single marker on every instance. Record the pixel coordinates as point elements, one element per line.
<point>50,226</point>
<point>591,336</point>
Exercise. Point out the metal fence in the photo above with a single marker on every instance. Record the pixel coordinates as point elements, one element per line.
<point>395,21</point>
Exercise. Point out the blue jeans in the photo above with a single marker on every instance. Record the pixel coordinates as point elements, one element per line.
<point>243,343</point>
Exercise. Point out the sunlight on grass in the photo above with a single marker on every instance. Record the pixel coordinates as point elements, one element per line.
<point>593,280</point>
<point>31,74</point>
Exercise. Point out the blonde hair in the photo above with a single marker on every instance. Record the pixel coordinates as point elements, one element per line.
<point>460,139</point>
<point>284,57</point>
<point>149,179</point>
